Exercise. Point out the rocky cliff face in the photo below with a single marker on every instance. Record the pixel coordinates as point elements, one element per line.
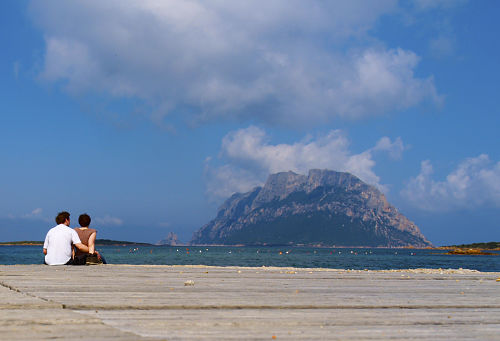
<point>171,240</point>
<point>324,208</point>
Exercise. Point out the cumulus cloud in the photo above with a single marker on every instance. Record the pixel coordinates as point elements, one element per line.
<point>395,149</point>
<point>281,61</point>
<point>223,181</point>
<point>36,212</point>
<point>474,183</point>
<point>248,158</point>
<point>107,220</point>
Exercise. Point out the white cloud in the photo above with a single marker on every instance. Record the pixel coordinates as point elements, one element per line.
<point>107,220</point>
<point>223,181</point>
<point>281,61</point>
<point>474,183</point>
<point>248,158</point>
<point>395,149</point>
<point>381,81</point>
<point>35,214</point>
<point>69,59</point>
<point>36,211</point>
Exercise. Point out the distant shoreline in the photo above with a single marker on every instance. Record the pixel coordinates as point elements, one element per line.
<point>491,246</point>
<point>21,243</point>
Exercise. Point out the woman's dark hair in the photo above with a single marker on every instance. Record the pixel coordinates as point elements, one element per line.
<point>61,217</point>
<point>84,220</point>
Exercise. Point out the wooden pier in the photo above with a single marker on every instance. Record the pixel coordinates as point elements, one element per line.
<point>124,302</point>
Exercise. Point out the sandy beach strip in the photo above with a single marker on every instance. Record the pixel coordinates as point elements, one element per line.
<point>161,302</point>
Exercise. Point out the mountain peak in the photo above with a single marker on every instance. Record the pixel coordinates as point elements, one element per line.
<point>279,185</point>
<point>325,177</point>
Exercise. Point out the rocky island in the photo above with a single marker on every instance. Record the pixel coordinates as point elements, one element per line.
<point>324,208</point>
<point>170,240</point>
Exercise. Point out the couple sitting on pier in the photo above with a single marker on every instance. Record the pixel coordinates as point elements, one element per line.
<point>66,246</point>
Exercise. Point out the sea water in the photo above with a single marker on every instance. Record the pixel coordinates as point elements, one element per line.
<point>303,257</point>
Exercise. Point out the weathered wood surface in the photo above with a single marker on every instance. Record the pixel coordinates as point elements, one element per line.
<point>153,302</point>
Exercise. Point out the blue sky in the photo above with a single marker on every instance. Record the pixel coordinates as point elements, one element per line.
<point>147,115</point>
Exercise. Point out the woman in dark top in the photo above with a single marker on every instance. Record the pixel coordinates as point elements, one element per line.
<point>87,237</point>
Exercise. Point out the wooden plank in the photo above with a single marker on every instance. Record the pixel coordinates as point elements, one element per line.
<point>257,303</point>
<point>310,324</point>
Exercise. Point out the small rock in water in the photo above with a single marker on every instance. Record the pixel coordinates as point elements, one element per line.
<point>189,283</point>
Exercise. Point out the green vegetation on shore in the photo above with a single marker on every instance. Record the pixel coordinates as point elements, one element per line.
<point>470,252</point>
<point>24,242</point>
<point>484,246</point>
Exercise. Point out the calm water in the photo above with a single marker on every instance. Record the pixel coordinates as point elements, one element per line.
<point>336,258</point>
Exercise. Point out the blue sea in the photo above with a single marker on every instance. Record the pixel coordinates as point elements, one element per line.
<point>303,257</point>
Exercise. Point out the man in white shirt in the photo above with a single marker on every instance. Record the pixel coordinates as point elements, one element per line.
<point>57,247</point>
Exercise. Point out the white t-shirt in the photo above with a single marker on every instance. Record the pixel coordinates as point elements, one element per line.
<point>58,244</point>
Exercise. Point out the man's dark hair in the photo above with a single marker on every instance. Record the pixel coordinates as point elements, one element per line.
<point>61,217</point>
<point>84,220</point>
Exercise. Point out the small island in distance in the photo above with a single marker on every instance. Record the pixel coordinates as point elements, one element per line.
<point>481,246</point>
<point>472,249</point>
